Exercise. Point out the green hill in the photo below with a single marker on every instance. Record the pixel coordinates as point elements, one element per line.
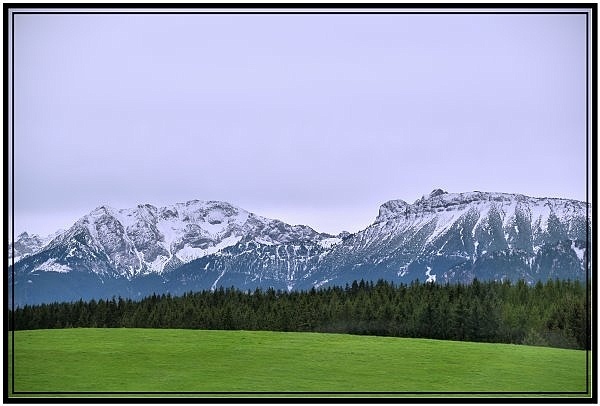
<point>152,360</point>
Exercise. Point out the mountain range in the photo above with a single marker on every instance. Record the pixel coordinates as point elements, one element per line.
<point>200,245</point>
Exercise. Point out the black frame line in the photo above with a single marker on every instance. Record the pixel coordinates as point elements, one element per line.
<point>292,13</point>
<point>552,8</point>
<point>12,109</point>
<point>5,166</point>
<point>594,170</point>
<point>391,6</point>
<point>587,124</point>
<point>304,393</point>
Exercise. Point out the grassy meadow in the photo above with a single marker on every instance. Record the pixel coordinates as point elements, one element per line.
<point>169,360</point>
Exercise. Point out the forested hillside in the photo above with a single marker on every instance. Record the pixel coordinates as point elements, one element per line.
<point>550,314</point>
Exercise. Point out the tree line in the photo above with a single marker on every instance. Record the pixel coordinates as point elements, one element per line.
<point>548,314</point>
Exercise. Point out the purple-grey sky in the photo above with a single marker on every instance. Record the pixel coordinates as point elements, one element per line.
<point>312,119</point>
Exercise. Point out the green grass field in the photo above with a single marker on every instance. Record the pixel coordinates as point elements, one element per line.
<point>116,360</point>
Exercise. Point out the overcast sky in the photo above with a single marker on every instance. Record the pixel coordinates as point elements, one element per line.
<point>312,119</point>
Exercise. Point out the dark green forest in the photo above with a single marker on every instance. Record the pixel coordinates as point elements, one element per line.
<point>546,314</point>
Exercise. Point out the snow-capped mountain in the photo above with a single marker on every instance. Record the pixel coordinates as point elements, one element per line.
<point>146,239</point>
<point>24,245</point>
<point>442,237</point>
<point>461,236</point>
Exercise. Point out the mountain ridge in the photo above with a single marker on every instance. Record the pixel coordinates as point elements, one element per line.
<point>442,237</point>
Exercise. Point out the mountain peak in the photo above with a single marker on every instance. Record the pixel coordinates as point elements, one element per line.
<point>205,204</point>
<point>390,209</point>
<point>102,209</point>
<point>439,199</point>
<point>146,239</point>
<point>437,192</point>
<point>344,234</point>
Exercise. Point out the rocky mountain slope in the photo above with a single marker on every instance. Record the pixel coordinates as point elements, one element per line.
<point>442,237</point>
<point>25,245</point>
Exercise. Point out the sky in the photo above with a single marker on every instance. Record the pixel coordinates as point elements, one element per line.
<point>311,119</point>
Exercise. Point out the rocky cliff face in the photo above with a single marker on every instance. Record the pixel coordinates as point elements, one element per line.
<point>25,245</point>
<point>148,240</point>
<point>458,237</point>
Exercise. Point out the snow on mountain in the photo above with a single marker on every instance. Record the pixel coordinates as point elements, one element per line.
<point>441,210</point>
<point>26,245</point>
<point>442,237</point>
<point>147,239</point>
<point>459,236</point>
<point>51,266</point>
<point>330,242</point>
